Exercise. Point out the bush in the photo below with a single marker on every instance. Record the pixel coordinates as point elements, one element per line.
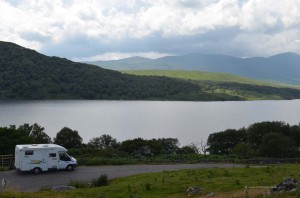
<point>78,184</point>
<point>148,186</point>
<point>100,181</point>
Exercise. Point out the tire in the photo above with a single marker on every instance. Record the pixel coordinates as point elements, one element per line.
<point>36,171</point>
<point>70,168</point>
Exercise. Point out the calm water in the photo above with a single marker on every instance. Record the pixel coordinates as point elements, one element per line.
<point>188,121</point>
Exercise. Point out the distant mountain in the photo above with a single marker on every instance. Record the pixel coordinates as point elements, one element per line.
<point>283,68</point>
<point>135,63</point>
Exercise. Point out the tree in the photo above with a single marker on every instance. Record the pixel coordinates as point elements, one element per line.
<point>170,145</point>
<point>203,147</point>
<point>277,145</point>
<point>24,134</point>
<point>189,149</point>
<point>256,131</point>
<point>9,138</point>
<point>130,146</point>
<point>294,134</point>
<point>68,138</point>
<point>139,145</point>
<point>35,132</point>
<point>243,149</point>
<point>272,139</point>
<point>25,129</point>
<point>103,142</point>
<point>223,142</point>
<point>38,135</point>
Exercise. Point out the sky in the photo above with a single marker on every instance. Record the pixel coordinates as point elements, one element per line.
<point>88,30</point>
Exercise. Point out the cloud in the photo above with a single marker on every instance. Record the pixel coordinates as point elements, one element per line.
<point>259,16</point>
<point>285,41</point>
<point>87,28</point>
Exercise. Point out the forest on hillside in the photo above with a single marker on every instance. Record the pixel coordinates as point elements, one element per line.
<point>26,74</point>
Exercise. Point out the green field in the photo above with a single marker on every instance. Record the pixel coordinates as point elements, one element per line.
<point>229,182</point>
<point>227,84</point>
<point>205,76</point>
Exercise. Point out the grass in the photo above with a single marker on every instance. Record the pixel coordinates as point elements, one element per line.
<point>229,182</point>
<point>100,181</point>
<point>156,159</point>
<point>206,76</point>
<point>228,84</point>
<point>4,168</point>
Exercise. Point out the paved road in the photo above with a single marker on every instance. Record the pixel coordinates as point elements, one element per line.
<point>30,182</point>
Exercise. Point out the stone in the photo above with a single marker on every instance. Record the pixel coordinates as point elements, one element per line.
<point>62,188</point>
<point>287,185</point>
<point>193,190</point>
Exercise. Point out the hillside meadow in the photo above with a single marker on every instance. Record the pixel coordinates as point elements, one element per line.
<point>207,76</point>
<point>222,83</point>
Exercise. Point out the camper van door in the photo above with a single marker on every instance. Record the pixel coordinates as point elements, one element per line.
<point>38,159</point>
<point>64,160</point>
<point>53,160</point>
<point>25,160</point>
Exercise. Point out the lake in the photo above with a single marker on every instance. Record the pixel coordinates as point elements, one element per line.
<point>190,122</point>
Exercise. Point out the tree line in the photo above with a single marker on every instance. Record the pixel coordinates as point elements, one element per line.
<point>264,139</point>
<point>70,139</point>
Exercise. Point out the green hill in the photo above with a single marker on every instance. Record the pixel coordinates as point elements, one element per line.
<point>198,75</point>
<point>212,82</point>
<point>26,74</point>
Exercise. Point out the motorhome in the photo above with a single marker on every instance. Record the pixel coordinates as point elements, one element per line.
<point>43,157</point>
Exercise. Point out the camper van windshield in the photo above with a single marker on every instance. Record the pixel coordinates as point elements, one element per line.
<point>64,157</point>
<point>68,155</point>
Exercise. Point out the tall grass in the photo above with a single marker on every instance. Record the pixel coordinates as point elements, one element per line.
<point>100,181</point>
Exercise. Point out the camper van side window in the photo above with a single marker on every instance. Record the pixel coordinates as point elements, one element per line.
<point>28,152</point>
<point>52,154</point>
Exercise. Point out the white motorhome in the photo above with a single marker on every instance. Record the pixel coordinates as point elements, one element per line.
<point>43,157</point>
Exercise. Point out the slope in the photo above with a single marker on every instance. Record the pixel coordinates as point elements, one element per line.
<point>283,68</point>
<point>245,88</point>
<point>26,74</point>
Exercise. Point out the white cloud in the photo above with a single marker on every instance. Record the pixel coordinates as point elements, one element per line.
<point>269,45</point>
<point>261,15</point>
<point>59,21</point>
<point>220,14</point>
<point>95,18</point>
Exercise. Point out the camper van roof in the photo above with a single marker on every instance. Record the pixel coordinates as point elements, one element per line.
<point>39,146</point>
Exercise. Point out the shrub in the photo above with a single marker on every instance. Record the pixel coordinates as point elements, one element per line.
<point>148,186</point>
<point>100,181</point>
<point>78,184</point>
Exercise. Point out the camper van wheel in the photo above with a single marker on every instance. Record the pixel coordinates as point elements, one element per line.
<point>36,171</point>
<point>69,168</point>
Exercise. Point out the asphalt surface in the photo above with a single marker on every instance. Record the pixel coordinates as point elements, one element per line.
<point>31,182</point>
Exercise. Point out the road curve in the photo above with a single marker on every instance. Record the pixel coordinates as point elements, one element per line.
<point>30,182</point>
